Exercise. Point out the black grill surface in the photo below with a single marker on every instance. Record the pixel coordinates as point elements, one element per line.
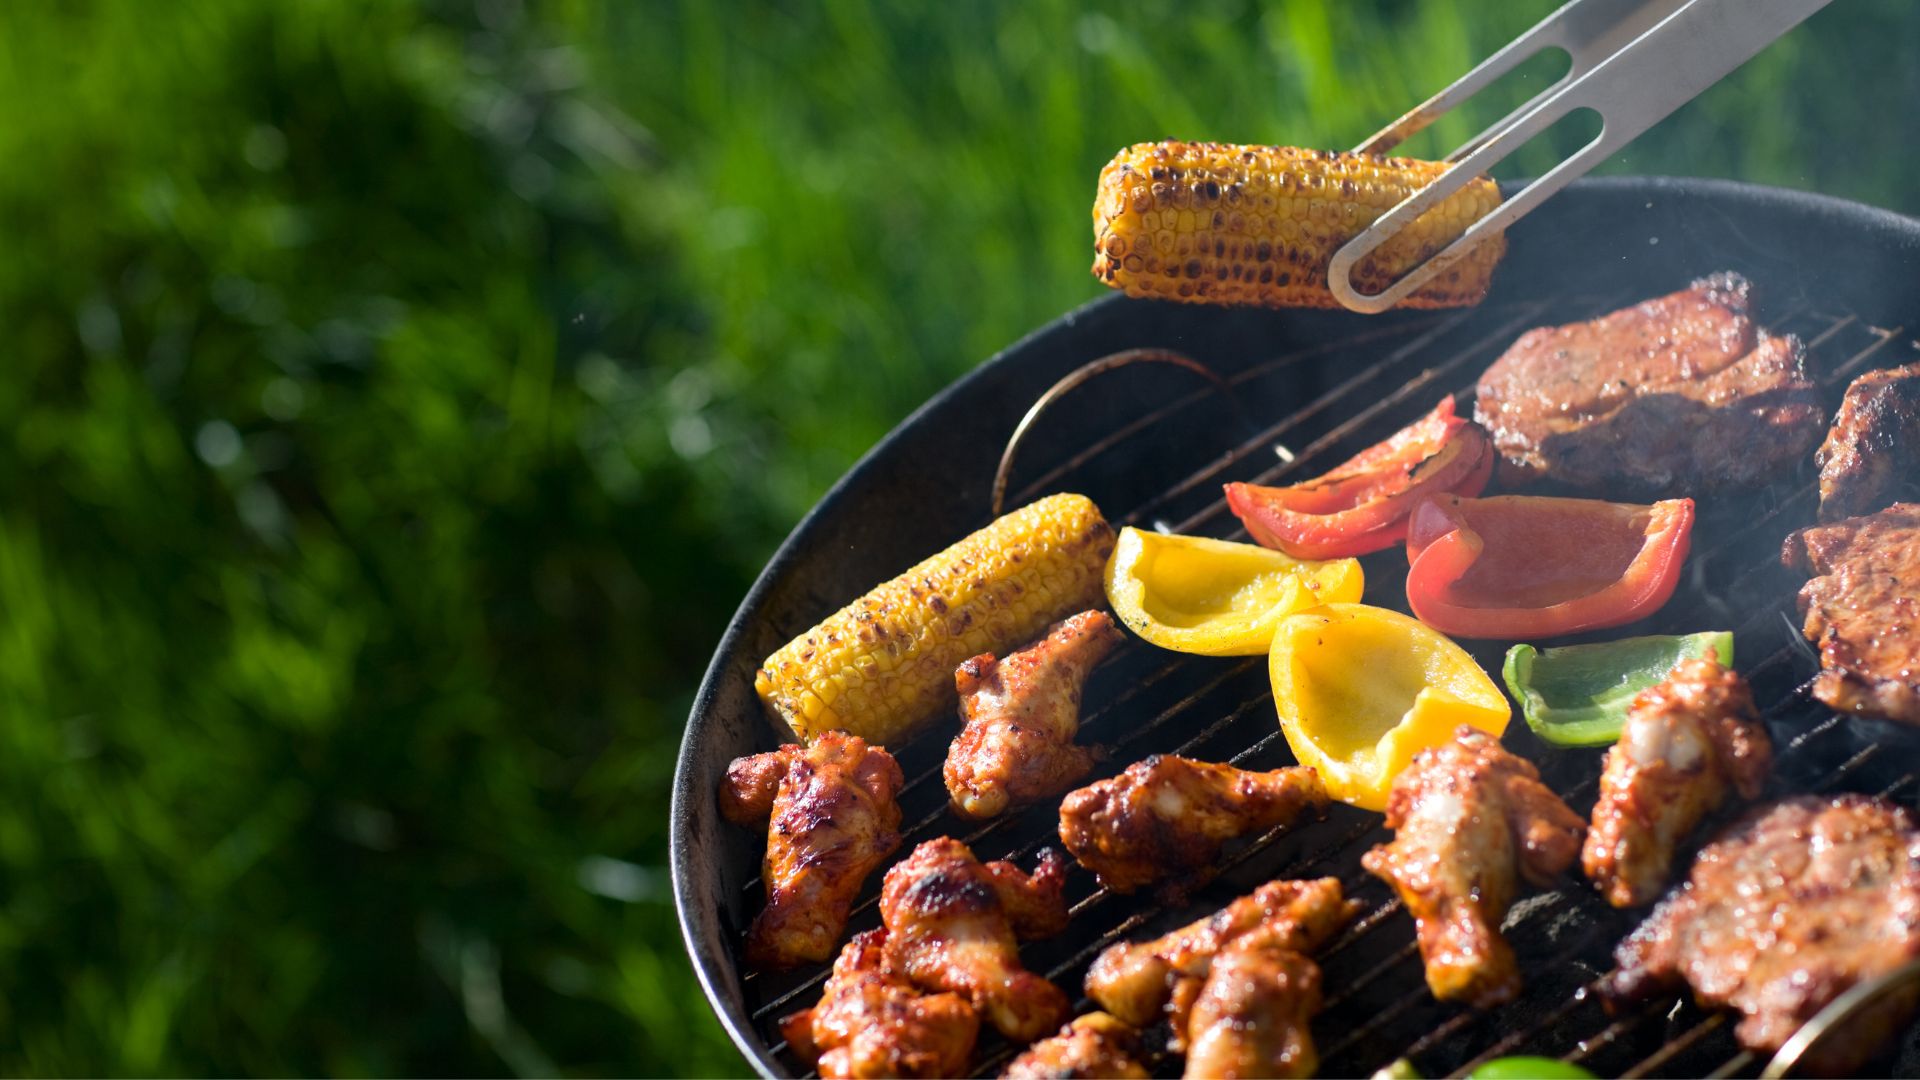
<point>1152,446</point>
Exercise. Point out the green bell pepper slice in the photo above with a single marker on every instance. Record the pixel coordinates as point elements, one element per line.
<point>1529,1068</point>
<point>1578,695</point>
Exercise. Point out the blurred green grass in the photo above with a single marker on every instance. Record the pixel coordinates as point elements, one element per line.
<point>400,396</point>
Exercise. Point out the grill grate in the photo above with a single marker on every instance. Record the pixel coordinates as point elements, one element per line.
<point>1143,701</point>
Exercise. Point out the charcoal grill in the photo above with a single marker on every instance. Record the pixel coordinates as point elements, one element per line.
<point>1151,444</point>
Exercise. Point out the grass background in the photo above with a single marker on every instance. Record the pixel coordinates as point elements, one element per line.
<point>398,397</point>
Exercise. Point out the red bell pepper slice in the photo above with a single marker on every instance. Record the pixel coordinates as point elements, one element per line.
<point>1521,566</point>
<point>1362,505</point>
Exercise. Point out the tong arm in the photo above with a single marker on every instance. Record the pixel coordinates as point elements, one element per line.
<point>1662,67</point>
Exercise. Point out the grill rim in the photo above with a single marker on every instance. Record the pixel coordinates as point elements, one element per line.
<point>698,840</point>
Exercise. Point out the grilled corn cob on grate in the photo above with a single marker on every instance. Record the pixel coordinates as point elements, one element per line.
<point>1212,223</point>
<point>884,664</point>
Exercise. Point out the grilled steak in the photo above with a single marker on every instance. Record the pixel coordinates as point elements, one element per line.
<point>1862,608</point>
<point>1679,395</point>
<point>1782,914</point>
<point>1874,446</point>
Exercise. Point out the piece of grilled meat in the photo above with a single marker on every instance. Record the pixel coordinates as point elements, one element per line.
<point>1021,715</point>
<point>872,1022</point>
<point>1862,608</point>
<point>1167,817</point>
<point>951,922</point>
<point>1783,913</point>
<point>1687,742</point>
<point>1251,1018</point>
<point>1873,448</point>
<point>1093,1047</point>
<point>1469,819</point>
<point>831,819</point>
<point>1139,981</point>
<point>1679,395</point>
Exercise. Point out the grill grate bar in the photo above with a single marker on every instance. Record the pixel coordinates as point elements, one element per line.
<point>1721,576</point>
<point>1516,1039</point>
<point>1738,1065</point>
<point>1314,408</point>
<point>1675,1047</point>
<point>1613,1032</point>
<point>1369,976</point>
<point>1885,337</point>
<point>1380,1016</point>
<point>1100,446</point>
<point>1826,335</point>
<point>1363,418</point>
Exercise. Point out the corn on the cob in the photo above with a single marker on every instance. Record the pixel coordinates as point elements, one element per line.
<point>1216,224</point>
<point>884,663</point>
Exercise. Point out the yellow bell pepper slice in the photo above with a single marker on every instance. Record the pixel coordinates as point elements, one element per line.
<point>1361,689</point>
<point>1194,594</point>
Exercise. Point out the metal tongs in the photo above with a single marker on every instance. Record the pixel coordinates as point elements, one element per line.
<point>1634,61</point>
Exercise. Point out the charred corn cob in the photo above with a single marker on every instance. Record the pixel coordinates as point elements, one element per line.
<point>884,663</point>
<point>1216,224</point>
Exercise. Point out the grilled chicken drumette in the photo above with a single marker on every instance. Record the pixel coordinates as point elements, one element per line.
<point>1687,742</point>
<point>1167,817</point>
<point>1251,1018</point>
<point>872,1022</point>
<point>951,922</point>
<point>831,819</point>
<point>1093,1046</point>
<point>1136,982</point>
<point>1469,818</point>
<point>1021,715</point>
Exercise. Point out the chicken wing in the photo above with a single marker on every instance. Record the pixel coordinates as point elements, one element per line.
<point>1687,741</point>
<point>831,819</point>
<point>1168,816</point>
<point>951,923</point>
<point>1136,982</point>
<point>1468,818</point>
<point>1250,1019</point>
<point>1094,1047</point>
<point>1021,715</point>
<point>872,1022</point>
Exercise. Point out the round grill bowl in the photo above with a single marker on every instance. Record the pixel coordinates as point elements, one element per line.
<point>1599,244</point>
